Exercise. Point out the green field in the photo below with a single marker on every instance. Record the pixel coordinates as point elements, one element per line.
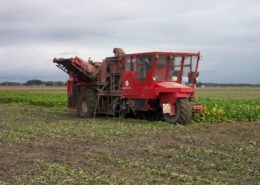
<point>42,142</point>
<point>222,104</point>
<point>227,93</point>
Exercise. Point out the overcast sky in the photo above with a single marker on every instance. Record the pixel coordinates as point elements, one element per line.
<point>33,32</point>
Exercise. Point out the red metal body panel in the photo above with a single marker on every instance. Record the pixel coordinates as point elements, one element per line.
<point>132,88</point>
<point>141,81</point>
<point>85,67</point>
<point>103,72</point>
<point>69,86</point>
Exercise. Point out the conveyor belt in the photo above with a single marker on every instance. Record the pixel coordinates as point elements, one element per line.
<point>77,67</point>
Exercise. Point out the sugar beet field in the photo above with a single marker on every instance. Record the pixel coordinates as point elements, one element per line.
<point>42,142</point>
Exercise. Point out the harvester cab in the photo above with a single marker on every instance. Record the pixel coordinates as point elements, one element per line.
<point>151,83</point>
<point>168,78</point>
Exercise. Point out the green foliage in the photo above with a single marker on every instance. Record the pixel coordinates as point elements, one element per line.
<point>55,173</point>
<point>218,107</point>
<point>3,183</point>
<point>228,110</point>
<point>44,99</point>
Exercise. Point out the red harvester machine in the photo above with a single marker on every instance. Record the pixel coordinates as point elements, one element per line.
<point>159,84</point>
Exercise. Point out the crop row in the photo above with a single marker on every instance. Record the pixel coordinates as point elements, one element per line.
<point>216,109</point>
<point>44,99</point>
<point>228,110</point>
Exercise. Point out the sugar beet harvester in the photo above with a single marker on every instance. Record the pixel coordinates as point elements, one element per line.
<point>159,84</point>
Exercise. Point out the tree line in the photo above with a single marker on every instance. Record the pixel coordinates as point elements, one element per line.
<point>200,84</point>
<point>60,83</point>
<point>35,82</point>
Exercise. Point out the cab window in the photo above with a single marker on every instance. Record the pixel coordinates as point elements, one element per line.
<point>127,63</point>
<point>161,67</point>
<point>174,68</point>
<point>144,64</point>
<point>133,64</point>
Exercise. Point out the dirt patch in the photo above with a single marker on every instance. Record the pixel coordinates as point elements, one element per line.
<point>221,151</point>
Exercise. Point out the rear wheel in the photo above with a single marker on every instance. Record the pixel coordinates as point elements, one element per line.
<point>183,112</point>
<point>87,103</point>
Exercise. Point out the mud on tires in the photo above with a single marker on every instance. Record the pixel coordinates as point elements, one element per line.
<point>183,112</point>
<point>87,103</point>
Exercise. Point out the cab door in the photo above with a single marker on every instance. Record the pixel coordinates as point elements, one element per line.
<point>129,73</point>
<point>137,75</point>
<point>144,75</point>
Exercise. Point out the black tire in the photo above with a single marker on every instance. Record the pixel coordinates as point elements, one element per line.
<point>116,107</point>
<point>122,113</point>
<point>87,103</point>
<point>119,108</point>
<point>183,112</point>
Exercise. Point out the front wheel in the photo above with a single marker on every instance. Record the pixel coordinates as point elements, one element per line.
<point>87,103</point>
<point>183,112</point>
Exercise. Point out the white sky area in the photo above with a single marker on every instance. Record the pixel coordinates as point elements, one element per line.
<point>33,32</point>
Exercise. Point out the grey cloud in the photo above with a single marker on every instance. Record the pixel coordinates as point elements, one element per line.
<point>34,31</point>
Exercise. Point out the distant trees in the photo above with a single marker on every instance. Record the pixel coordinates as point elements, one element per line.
<point>199,84</point>
<point>54,83</point>
<point>60,83</point>
<point>226,85</point>
<point>10,83</point>
<point>35,82</point>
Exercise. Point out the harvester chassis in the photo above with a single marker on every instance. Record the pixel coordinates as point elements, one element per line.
<point>133,84</point>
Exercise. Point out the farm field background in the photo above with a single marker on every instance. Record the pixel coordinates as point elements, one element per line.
<point>42,142</point>
<point>222,104</point>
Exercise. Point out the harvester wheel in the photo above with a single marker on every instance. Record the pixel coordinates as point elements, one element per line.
<point>116,107</point>
<point>122,113</point>
<point>87,103</point>
<point>119,108</point>
<point>183,112</point>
